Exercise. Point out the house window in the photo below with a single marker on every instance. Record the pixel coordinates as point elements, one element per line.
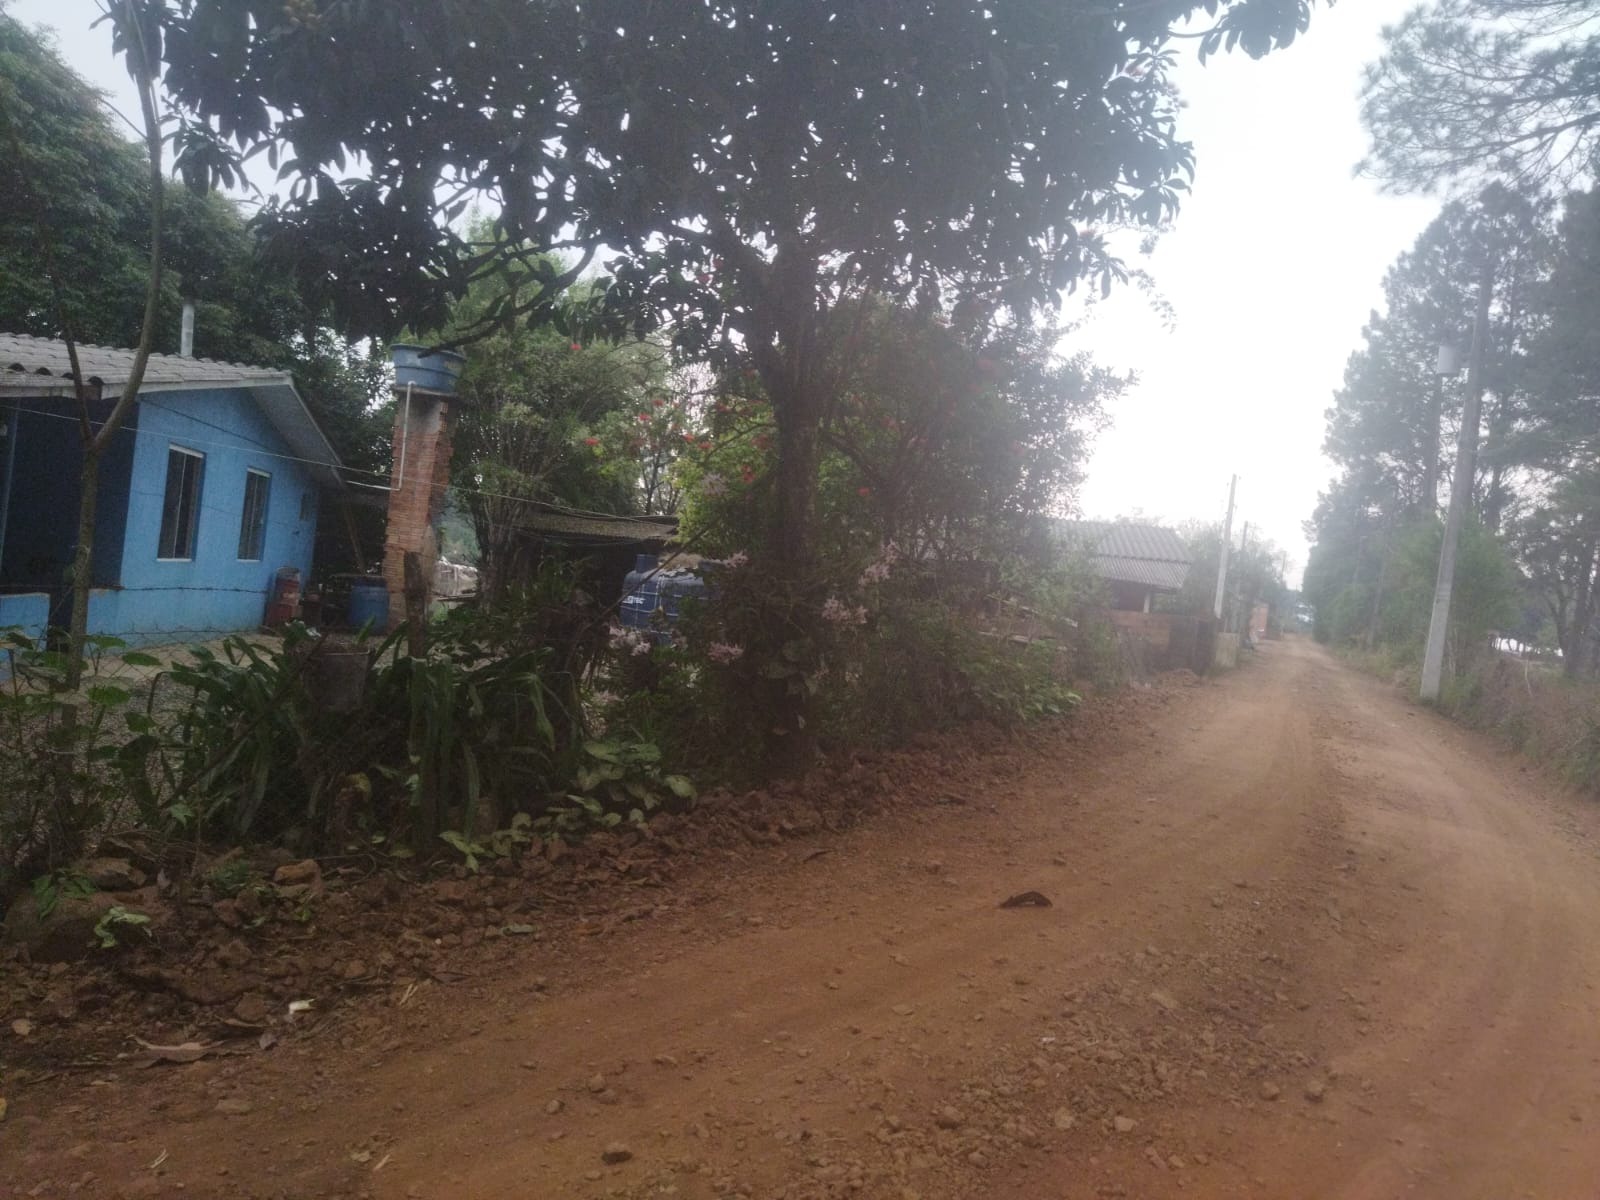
<point>253,522</point>
<point>180,509</point>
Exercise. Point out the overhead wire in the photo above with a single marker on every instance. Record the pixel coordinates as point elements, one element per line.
<point>255,448</point>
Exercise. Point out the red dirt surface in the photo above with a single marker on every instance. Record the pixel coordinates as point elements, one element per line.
<point>1305,940</point>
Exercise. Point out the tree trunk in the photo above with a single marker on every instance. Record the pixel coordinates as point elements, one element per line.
<point>1575,639</point>
<point>83,563</point>
<point>792,546</point>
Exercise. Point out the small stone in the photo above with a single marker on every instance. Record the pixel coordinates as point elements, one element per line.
<point>113,874</point>
<point>1270,1091</point>
<point>902,1010</point>
<point>948,1118</point>
<point>1124,1124</point>
<point>235,1106</point>
<point>596,1084</point>
<point>615,1152</point>
<point>1063,1119</point>
<point>665,1060</point>
<point>1316,1090</point>
<point>355,969</point>
<point>554,1107</point>
<point>297,873</point>
<point>1165,999</point>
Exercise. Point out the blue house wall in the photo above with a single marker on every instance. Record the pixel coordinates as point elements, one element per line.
<point>214,591</point>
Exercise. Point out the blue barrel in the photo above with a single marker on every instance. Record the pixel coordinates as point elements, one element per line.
<point>434,372</point>
<point>678,587</point>
<point>641,592</point>
<point>369,605</point>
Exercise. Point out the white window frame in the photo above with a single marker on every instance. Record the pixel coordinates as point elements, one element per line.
<point>194,524</point>
<point>266,503</point>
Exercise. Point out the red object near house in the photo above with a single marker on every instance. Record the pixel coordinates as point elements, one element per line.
<point>284,604</point>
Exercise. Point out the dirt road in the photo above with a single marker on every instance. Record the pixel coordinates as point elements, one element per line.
<point>1305,941</point>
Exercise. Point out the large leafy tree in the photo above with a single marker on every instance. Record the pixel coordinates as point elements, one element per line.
<point>1393,421</point>
<point>759,171</point>
<point>75,199</point>
<point>1478,89</point>
<point>1557,537</point>
<point>1391,424</point>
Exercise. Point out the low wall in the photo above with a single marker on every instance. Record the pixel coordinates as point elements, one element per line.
<point>1226,656</point>
<point>1167,641</point>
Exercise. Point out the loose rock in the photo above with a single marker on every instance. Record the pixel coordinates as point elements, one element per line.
<point>616,1152</point>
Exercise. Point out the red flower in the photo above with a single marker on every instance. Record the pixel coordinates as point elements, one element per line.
<point>575,346</point>
<point>863,491</point>
<point>591,441</point>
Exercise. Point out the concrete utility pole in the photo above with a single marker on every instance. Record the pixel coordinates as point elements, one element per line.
<point>1222,557</point>
<point>1460,494</point>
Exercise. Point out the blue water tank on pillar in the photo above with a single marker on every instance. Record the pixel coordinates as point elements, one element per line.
<point>641,593</point>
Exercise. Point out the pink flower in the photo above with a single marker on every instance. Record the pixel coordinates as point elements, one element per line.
<point>724,652</point>
<point>836,612</point>
<point>879,568</point>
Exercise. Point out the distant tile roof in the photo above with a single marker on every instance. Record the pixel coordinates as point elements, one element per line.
<point>34,366</point>
<point>1126,552</point>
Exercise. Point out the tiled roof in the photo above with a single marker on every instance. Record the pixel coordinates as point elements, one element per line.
<point>26,361</point>
<point>1126,552</point>
<point>33,366</point>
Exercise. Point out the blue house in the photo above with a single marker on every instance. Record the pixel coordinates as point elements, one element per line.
<point>211,487</point>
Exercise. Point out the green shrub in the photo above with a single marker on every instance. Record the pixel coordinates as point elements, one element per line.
<point>67,755</point>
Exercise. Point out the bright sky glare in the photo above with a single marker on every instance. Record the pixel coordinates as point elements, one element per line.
<point>1273,266</point>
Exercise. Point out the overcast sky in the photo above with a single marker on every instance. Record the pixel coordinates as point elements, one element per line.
<point>1273,266</point>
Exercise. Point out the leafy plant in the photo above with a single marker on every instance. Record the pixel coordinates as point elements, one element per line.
<point>49,890</point>
<point>620,780</point>
<point>118,920</point>
<point>502,843</point>
<point>68,760</point>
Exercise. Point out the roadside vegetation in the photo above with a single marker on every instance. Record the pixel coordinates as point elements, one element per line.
<point>1517,157</point>
<point>825,345</point>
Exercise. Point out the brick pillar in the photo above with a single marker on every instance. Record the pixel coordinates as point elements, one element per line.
<point>422,436</point>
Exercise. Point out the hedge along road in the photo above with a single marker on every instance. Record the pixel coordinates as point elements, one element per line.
<point>1305,941</point>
